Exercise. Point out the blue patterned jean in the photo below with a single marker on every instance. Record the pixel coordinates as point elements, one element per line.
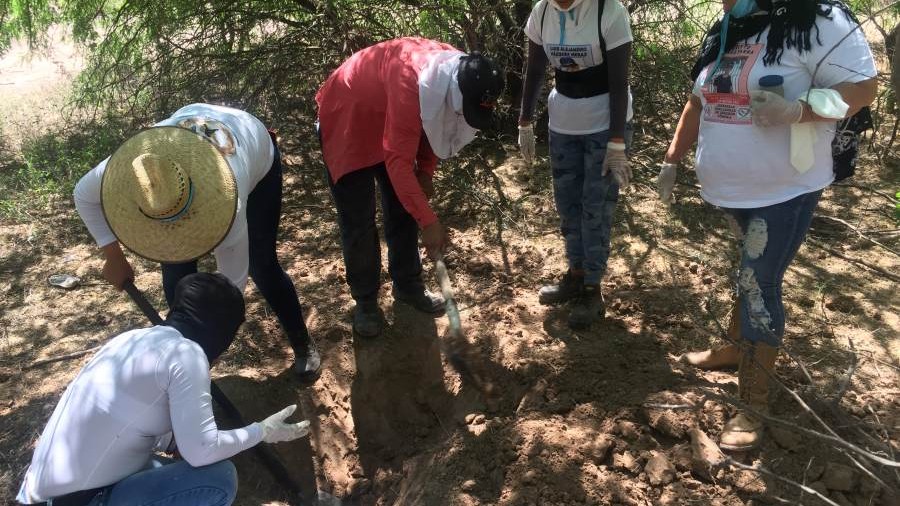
<point>585,199</point>
<point>770,238</point>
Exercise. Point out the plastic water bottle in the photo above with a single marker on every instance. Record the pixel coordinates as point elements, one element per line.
<point>773,83</point>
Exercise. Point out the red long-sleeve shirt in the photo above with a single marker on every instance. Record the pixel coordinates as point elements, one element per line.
<point>369,113</point>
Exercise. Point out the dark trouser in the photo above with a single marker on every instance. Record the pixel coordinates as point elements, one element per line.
<point>263,217</point>
<point>770,238</point>
<point>354,197</point>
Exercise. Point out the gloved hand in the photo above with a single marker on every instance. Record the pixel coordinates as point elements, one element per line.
<point>275,430</point>
<point>616,161</point>
<point>526,142</point>
<point>770,109</point>
<point>665,183</point>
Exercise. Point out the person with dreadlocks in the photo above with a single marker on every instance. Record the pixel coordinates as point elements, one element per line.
<point>588,43</point>
<point>208,179</point>
<point>148,390</point>
<point>803,66</point>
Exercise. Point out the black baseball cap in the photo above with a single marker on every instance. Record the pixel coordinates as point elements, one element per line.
<point>481,83</point>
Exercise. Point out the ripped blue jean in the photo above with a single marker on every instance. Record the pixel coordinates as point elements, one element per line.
<point>770,238</point>
<point>585,199</point>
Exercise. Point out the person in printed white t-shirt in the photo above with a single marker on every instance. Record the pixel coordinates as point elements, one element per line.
<point>765,153</point>
<point>147,390</point>
<point>207,179</point>
<point>588,43</point>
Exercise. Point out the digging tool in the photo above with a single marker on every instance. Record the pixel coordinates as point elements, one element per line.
<point>455,345</point>
<point>276,468</point>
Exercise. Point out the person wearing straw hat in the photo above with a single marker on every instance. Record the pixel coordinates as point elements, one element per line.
<point>147,390</point>
<point>207,179</point>
<point>386,115</point>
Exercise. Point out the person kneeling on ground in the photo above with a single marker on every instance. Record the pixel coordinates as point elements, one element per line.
<point>146,390</point>
<point>207,179</point>
<point>387,114</point>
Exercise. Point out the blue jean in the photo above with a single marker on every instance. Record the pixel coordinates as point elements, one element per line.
<point>263,219</point>
<point>173,484</point>
<point>354,198</point>
<point>585,199</point>
<point>770,238</point>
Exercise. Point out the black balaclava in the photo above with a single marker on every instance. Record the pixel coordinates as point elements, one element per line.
<point>208,309</point>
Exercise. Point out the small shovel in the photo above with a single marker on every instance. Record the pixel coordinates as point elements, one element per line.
<point>455,345</point>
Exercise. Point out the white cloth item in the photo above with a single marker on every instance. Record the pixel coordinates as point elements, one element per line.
<point>740,165</point>
<point>827,103</point>
<point>140,386</point>
<point>441,105</point>
<point>251,161</point>
<point>580,49</point>
<point>665,182</point>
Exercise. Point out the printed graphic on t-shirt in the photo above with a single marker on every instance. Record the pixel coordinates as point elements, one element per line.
<point>726,92</point>
<point>571,58</point>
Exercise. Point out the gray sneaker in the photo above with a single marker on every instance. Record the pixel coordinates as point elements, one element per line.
<point>568,288</point>
<point>367,319</point>
<point>589,308</point>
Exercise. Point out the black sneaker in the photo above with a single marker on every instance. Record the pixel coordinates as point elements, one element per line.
<point>307,361</point>
<point>421,299</point>
<point>589,308</point>
<point>568,288</point>
<point>367,319</point>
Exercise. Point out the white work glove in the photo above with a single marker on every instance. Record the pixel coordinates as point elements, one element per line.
<point>665,183</point>
<point>770,109</point>
<point>275,430</point>
<point>526,143</point>
<point>616,161</point>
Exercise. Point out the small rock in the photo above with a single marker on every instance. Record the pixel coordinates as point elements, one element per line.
<point>469,418</point>
<point>529,476</point>
<point>598,449</point>
<point>626,460</point>
<point>787,439</point>
<point>706,457</point>
<point>659,470</point>
<point>839,477</point>
<point>708,280</point>
<point>626,429</point>
<point>469,485</point>
<point>681,456</point>
<point>478,420</point>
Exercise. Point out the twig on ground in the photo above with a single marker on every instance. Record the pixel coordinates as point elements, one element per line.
<point>67,356</point>
<point>859,233</point>
<point>762,470</point>
<point>871,267</point>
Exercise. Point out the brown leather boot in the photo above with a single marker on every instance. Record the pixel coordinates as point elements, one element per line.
<point>727,356</point>
<point>744,431</point>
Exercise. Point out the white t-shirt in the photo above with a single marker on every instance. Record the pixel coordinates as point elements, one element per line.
<point>250,162</point>
<point>741,165</point>
<point>571,42</point>
<point>141,386</point>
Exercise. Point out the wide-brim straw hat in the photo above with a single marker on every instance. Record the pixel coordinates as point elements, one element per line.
<point>169,195</point>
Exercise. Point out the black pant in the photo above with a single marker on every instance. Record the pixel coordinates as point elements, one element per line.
<point>354,197</point>
<point>263,217</point>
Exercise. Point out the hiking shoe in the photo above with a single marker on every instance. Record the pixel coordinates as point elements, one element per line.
<point>421,299</point>
<point>307,361</point>
<point>588,308</point>
<point>367,319</point>
<point>568,288</point>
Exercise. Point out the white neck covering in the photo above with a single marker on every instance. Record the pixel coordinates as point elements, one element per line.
<point>441,105</point>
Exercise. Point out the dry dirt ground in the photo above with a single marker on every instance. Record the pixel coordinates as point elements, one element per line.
<point>604,416</point>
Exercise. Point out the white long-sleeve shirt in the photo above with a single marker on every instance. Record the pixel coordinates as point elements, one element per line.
<point>141,386</point>
<point>250,162</point>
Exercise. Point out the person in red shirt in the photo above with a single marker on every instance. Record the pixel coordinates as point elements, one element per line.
<point>387,114</point>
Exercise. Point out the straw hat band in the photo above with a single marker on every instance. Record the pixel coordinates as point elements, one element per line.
<point>162,189</point>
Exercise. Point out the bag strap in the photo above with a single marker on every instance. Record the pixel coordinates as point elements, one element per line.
<point>601,6</point>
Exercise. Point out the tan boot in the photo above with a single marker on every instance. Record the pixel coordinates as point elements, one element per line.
<point>722,357</point>
<point>744,431</point>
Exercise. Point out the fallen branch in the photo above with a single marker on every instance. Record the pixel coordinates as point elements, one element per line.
<point>762,470</point>
<point>67,356</point>
<point>859,233</point>
<point>871,267</point>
